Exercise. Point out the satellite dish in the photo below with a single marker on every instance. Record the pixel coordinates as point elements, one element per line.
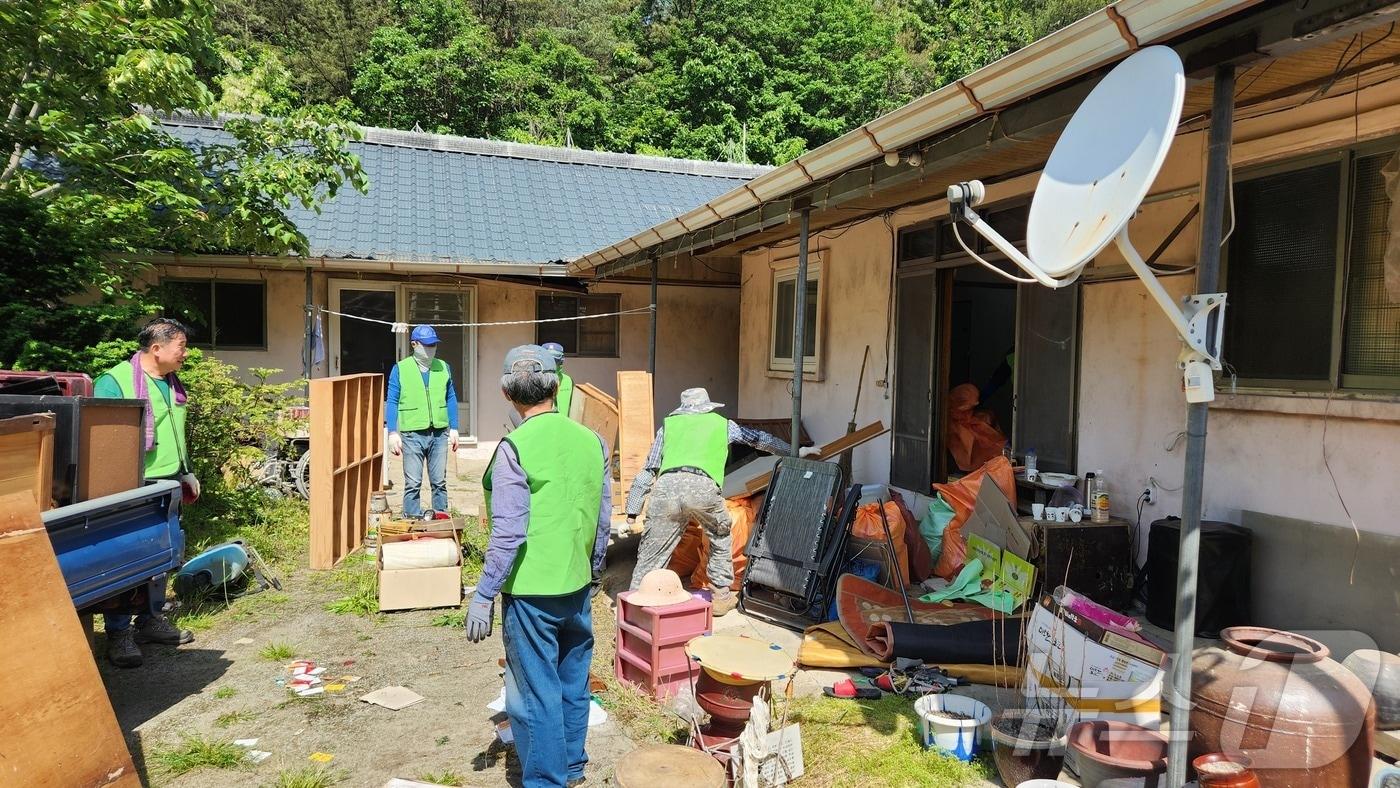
<point>1094,182</point>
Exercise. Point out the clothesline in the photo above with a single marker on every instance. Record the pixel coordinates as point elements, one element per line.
<point>403,328</point>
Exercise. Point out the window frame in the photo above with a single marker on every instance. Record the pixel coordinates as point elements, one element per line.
<point>616,306</point>
<point>785,270</point>
<point>212,282</point>
<point>1338,383</point>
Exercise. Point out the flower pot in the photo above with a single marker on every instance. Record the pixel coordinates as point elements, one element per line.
<point>1218,770</point>
<point>1112,750</point>
<point>1025,746</point>
<point>951,724</point>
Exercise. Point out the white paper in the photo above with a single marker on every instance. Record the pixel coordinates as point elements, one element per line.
<point>243,642</point>
<point>393,698</point>
<point>309,691</point>
<point>246,742</point>
<point>258,756</point>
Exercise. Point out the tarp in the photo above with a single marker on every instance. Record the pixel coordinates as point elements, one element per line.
<point>972,438</point>
<point>962,496</point>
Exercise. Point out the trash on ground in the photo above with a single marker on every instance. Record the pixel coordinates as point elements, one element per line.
<point>393,698</point>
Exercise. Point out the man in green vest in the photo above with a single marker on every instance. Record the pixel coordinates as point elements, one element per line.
<point>565,397</point>
<point>149,375</point>
<point>551,508</point>
<point>420,412</point>
<point>687,462</point>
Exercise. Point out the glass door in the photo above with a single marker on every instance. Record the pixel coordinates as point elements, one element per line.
<point>359,346</point>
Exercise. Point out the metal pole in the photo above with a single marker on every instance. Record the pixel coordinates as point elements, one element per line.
<point>651,358</point>
<point>799,329</point>
<point>310,340</point>
<point>1188,555</point>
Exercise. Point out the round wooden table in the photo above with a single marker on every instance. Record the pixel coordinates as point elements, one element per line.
<point>670,765</point>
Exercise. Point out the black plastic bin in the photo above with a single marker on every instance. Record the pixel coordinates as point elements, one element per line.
<point>1223,597</point>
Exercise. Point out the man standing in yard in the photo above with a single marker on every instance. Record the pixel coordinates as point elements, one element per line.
<point>566,384</point>
<point>150,375</point>
<point>687,462</point>
<point>551,509</point>
<point>421,414</point>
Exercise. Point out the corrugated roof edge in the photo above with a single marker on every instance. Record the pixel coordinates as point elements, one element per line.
<point>448,143</point>
<point>1091,42</point>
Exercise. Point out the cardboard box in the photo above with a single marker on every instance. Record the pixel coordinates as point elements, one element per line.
<point>1069,670</point>
<point>409,589</point>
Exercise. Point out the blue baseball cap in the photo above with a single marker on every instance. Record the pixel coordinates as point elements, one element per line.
<point>424,335</point>
<point>555,349</point>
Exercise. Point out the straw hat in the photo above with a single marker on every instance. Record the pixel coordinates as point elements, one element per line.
<point>659,587</point>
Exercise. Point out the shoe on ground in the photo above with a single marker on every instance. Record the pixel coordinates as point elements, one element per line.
<point>722,602</point>
<point>573,781</point>
<point>160,630</point>
<point>122,650</point>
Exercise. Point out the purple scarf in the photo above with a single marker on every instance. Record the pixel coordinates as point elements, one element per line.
<point>138,386</point>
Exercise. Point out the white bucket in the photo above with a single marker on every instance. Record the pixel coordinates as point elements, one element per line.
<point>958,738</point>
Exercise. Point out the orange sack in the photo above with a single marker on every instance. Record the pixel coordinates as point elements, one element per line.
<point>868,525</point>
<point>972,440</point>
<point>962,496</point>
<point>693,552</point>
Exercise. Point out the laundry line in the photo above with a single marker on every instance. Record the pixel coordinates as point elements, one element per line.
<point>403,328</point>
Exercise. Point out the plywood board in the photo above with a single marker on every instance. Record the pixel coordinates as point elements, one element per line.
<point>597,411</point>
<point>26,456</point>
<point>111,452</point>
<point>56,722</point>
<point>347,452</point>
<point>837,447</point>
<point>638,426</point>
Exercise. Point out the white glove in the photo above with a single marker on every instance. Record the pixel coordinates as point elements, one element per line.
<point>192,484</point>
<point>809,451</point>
<point>395,444</point>
<point>453,439</point>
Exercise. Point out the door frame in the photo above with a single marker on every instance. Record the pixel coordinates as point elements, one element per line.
<point>401,290</point>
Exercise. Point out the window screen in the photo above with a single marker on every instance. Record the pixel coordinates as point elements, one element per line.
<point>1282,267</point>
<point>1371,345</point>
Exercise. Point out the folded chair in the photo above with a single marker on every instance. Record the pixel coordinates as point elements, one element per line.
<point>798,544</point>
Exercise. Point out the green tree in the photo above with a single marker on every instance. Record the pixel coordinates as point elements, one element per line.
<point>553,95</point>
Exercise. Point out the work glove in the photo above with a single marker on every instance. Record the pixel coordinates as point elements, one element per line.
<point>597,584</point>
<point>189,488</point>
<point>395,444</point>
<point>809,451</point>
<point>479,615</point>
<point>453,439</point>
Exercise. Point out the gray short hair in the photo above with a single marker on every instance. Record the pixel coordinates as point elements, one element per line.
<point>529,388</point>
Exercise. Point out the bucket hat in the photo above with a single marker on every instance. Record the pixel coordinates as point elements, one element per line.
<point>696,400</point>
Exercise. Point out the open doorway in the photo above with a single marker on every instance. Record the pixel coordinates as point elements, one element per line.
<point>981,365</point>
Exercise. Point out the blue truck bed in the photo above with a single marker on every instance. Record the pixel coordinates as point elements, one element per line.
<point>113,544</point>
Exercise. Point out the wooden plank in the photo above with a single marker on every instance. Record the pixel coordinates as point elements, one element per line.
<point>1388,744</point>
<point>637,427</point>
<point>57,727</point>
<point>837,447</point>
<point>26,456</point>
<point>111,449</point>
<point>596,411</point>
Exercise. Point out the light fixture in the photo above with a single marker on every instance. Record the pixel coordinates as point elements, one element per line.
<point>916,159</point>
<point>892,158</point>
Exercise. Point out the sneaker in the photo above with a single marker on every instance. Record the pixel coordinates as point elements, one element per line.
<point>160,630</point>
<point>122,650</point>
<point>722,602</point>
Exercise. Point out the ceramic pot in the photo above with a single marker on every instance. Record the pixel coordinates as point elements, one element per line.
<point>1218,770</point>
<point>1023,751</point>
<point>1379,671</point>
<point>1113,750</point>
<point>1275,697</point>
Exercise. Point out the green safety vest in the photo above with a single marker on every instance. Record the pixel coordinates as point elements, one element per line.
<point>422,407</point>
<point>698,440</point>
<point>563,464</point>
<point>565,397</point>
<point>166,459</point>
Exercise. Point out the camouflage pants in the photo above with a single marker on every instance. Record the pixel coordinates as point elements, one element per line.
<point>676,499</point>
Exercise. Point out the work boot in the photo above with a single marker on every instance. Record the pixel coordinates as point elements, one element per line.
<point>159,630</point>
<point>722,601</point>
<point>122,650</point>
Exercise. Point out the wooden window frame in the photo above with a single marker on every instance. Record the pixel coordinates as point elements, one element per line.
<point>213,343</point>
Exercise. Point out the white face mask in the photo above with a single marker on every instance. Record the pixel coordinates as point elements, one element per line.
<point>424,354</point>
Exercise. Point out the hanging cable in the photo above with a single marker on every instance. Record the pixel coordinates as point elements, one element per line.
<point>984,263</point>
<point>400,327</point>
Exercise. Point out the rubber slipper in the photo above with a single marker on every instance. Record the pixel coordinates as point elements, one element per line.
<point>847,689</point>
<point>872,673</point>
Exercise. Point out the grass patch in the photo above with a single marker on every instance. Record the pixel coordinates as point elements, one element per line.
<point>442,778</point>
<point>307,777</point>
<point>198,617</point>
<point>358,585</point>
<point>873,743</point>
<point>456,618</point>
<point>224,693</point>
<point>198,752</point>
<point>233,718</point>
<point>277,652</point>
<point>474,539</point>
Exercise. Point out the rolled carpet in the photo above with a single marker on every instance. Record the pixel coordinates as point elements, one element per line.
<point>420,554</point>
<point>992,642</point>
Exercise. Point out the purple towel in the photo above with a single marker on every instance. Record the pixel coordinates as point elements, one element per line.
<point>138,387</point>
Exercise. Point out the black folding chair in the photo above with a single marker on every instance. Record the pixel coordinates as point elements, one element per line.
<point>798,544</point>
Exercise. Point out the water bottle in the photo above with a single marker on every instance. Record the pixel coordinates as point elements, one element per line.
<point>1031,471</point>
<point>1099,502</point>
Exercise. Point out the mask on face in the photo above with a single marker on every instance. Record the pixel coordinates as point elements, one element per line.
<point>424,354</point>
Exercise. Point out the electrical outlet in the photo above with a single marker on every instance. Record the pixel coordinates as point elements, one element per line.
<point>1147,495</point>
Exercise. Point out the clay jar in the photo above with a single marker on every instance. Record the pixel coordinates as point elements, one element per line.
<point>1275,697</point>
<point>1119,751</point>
<point>1218,770</point>
<point>1025,746</point>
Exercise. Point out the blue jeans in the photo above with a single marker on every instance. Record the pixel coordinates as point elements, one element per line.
<point>549,645</point>
<point>155,594</point>
<point>428,446</point>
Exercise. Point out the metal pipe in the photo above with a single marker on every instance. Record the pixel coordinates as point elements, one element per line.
<point>310,340</point>
<point>1197,413</point>
<point>799,328</point>
<point>651,358</point>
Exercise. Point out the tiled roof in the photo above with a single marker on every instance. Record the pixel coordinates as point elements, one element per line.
<point>435,198</point>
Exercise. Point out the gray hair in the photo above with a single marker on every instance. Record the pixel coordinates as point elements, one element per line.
<point>529,387</point>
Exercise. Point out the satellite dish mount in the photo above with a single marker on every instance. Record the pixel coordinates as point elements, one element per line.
<point>1093,184</point>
